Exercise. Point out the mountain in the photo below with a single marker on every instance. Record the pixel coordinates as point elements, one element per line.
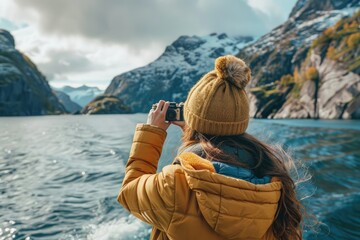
<point>23,89</point>
<point>172,75</point>
<point>106,104</point>
<point>329,76</point>
<point>284,48</point>
<point>309,66</point>
<point>81,95</point>
<point>69,105</point>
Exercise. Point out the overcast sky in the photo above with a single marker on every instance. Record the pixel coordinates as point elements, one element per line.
<point>75,42</point>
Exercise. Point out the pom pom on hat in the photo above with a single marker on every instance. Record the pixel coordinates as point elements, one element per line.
<point>233,70</point>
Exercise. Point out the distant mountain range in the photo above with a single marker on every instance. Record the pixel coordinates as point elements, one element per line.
<point>81,95</point>
<point>23,89</point>
<point>293,74</point>
<point>65,100</point>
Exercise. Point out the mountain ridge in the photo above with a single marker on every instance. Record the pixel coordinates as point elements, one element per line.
<point>24,91</point>
<point>81,95</point>
<point>175,71</point>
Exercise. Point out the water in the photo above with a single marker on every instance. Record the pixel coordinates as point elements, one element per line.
<point>60,175</point>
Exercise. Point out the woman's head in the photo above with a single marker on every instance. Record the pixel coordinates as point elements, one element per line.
<point>218,103</point>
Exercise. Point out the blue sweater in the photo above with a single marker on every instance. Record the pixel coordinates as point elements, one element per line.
<point>230,169</point>
<point>239,172</point>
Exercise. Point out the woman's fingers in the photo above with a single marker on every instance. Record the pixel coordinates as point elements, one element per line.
<point>165,108</point>
<point>157,117</point>
<point>160,106</point>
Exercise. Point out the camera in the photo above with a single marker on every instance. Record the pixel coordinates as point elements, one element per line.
<point>175,112</point>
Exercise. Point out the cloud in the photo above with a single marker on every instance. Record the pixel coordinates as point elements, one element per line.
<point>94,40</point>
<point>138,22</point>
<point>272,8</point>
<point>76,59</point>
<point>271,12</point>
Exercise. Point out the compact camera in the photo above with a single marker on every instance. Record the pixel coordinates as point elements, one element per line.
<point>175,111</point>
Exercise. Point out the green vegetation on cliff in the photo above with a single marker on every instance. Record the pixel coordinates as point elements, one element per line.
<point>106,104</point>
<point>341,43</point>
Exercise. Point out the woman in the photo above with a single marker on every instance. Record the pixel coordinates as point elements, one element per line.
<point>224,183</point>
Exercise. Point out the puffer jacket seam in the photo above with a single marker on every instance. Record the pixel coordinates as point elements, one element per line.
<point>169,209</point>
<point>150,128</point>
<point>236,199</point>
<point>155,209</point>
<point>218,216</point>
<point>144,173</point>
<point>240,187</point>
<point>174,204</point>
<point>147,196</point>
<point>148,143</point>
<point>137,201</point>
<point>236,215</point>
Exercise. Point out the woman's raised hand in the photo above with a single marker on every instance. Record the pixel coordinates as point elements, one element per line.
<point>157,117</point>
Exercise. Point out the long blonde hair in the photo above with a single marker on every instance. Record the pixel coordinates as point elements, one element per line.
<point>268,161</point>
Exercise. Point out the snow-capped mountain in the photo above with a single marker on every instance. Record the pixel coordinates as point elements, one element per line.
<point>284,48</point>
<point>172,75</point>
<point>306,68</point>
<point>81,95</point>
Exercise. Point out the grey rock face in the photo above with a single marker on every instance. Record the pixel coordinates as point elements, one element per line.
<point>339,89</point>
<point>23,89</point>
<point>302,107</point>
<point>337,97</point>
<point>171,76</point>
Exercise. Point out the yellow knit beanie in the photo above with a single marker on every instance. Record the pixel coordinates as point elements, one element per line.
<point>218,104</point>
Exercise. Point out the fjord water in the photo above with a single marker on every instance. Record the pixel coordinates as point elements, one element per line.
<point>60,175</point>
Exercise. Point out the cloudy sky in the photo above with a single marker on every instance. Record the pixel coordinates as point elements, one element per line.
<point>75,42</point>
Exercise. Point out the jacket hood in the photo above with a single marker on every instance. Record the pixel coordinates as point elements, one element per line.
<point>234,208</point>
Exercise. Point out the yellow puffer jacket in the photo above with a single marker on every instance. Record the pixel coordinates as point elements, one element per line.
<point>189,200</point>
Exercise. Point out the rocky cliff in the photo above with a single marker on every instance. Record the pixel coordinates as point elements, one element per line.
<point>284,48</point>
<point>23,89</point>
<point>326,84</point>
<point>172,75</point>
